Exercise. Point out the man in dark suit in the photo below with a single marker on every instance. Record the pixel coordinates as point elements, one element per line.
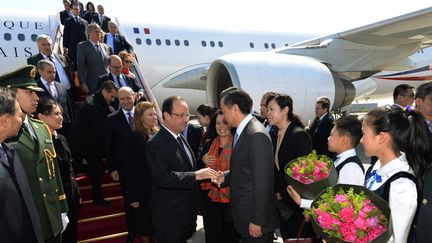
<point>101,19</point>
<point>175,192</point>
<point>118,125</point>
<point>88,135</point>
<point>36,152</point>
<point>19,217</point>
<point>117,42</point>
<point>81,7</point>
<point>92,59</point>
<point>74,32</point>
<point>321,127</point>
<point>251,175</point>
<point>55,91</point>
<point>66,13</point>
<point>115,66</point>
<point>61,65</point>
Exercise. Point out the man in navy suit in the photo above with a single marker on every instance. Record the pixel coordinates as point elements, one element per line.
<point>117,42</point>
<point>251,174</point>
<point>55,91</point>
<point>175,192</point>
<point>321,127</point>
<point>115,66</point>
<point>74,32</point>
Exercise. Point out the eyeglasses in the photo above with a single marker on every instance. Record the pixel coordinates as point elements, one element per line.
<point>408,95</point>
<point>181,115</point>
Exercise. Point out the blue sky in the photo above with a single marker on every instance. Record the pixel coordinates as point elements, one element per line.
<point>323,17</point>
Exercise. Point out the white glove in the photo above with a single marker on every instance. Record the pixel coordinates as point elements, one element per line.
<point>65,220</point>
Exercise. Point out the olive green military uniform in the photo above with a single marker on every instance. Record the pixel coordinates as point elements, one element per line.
<point>36,151</point>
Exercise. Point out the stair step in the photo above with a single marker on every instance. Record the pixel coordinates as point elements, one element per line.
<point>107,192</point>
<point>101,226</point>
<point>103,186</point>
<point>90,210</point>
<point>109,216</point>
<point>107,199</point>
<point>106,238</point>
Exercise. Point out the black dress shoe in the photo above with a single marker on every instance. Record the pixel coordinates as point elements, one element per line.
<point>102,202</point>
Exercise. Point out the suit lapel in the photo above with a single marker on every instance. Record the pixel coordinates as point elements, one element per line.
<point>176,144</point>
<point>122,118</point>
<point>241,140</point>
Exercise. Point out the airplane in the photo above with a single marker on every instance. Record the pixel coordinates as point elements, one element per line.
<point>198,64</point>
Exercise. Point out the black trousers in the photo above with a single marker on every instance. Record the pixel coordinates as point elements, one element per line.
<point>172,234</point>
<point>218,224</point>
<point>265,238</point>
<point>70,233</point>
<point>95,170</point>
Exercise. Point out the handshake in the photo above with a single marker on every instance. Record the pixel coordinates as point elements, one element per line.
<point>217,177</point>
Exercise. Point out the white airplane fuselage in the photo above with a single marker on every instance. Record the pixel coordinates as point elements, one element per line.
<point>173,60</point>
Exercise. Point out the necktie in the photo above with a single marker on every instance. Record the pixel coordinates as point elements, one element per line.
<point>98,50</point>
<point>119,82</point>
<point>235,139</point>
<point>76,19</point>
<point>2,152</point>
<point>130,120</point>
<point>374,177</point>
<point>180,141</point>
<point>51,90</point>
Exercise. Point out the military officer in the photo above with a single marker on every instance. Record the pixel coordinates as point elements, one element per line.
<point>36,151</point>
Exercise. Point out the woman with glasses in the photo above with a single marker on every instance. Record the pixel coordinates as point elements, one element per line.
<point>51,112</point>
<point>137,179</point>
<point>128,61</point>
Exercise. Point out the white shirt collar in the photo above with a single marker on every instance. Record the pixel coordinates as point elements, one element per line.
<point>398,164</point>
<point>323,116</point>
<point>45,82</point>
<point>125,112</point>
<point>173,134</point>
<point>344,155</point>
<point>243,124</point>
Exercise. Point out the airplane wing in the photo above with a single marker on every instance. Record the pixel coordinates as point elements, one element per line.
<point>363,51</point>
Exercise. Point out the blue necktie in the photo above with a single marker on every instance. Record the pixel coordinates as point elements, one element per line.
<point>374,177</point>
<point>235,139</point>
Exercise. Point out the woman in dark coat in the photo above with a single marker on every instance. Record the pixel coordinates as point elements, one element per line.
<point>138,179</point>
<point>51,112</point>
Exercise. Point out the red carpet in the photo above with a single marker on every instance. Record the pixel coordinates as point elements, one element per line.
<point>95,221</point>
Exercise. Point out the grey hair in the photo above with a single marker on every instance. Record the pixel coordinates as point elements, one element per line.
<point>43,37</point>
<point>92,27</point>
<point>7,101</point>
<point>43,63</point>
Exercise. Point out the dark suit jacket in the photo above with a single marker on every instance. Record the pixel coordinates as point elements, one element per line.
<point>73,34</point>
<point>63,16</point>
<point>120,44</point>
<point>90,64</point>
<point>175,192</point>
<point>116,129</point>
<point>251,180</point>
<point>138,180</point>
<point>320,136</point>
<point>296,142</point>
<point>33,60</point>
<point>194,136</point>
<point>88,131</point>
<point>62,99</point>
<point>130,82</point>
<point>104,24</point>
<point>19,217</point>
<point>423,231</point>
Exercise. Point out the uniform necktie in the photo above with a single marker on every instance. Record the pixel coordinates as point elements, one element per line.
<point>130,120</point>
<point>374,177</point>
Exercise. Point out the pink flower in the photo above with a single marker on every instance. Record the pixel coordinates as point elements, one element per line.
<point>346,214</point>
<point>361,223</point>
<point>326,220</point>
<point>341,198</point>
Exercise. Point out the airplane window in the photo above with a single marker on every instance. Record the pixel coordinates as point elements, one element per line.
<point>148,41</point>
<point>177,42</point>
<point>186,42</point>
<point>212,44</point>
<point>273,45</point>
<point>138,41</point>
<point>266,45</point>
<point>158,42</point>
<point>203,43</point>
<point>251,44</point>
<point>286,44</point>
<point>33,37</point>
<point>167,42</point>
<point>21,37</point>
<point>7,36</point>
<point>220,43</point>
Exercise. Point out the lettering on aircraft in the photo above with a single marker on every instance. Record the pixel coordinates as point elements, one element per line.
<point>15,52</point>
<point>24,25</point>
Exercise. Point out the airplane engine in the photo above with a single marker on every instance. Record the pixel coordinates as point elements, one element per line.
<point>303,78</point>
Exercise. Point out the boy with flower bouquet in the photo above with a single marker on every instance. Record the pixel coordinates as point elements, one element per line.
<point>344,137</point>
<point>349,213</point>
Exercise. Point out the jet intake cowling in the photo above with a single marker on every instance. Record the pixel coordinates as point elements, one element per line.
<point>303,78</point>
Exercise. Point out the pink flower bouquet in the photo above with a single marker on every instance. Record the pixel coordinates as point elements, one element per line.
<point>311,174</point>
<point>348,213</point>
